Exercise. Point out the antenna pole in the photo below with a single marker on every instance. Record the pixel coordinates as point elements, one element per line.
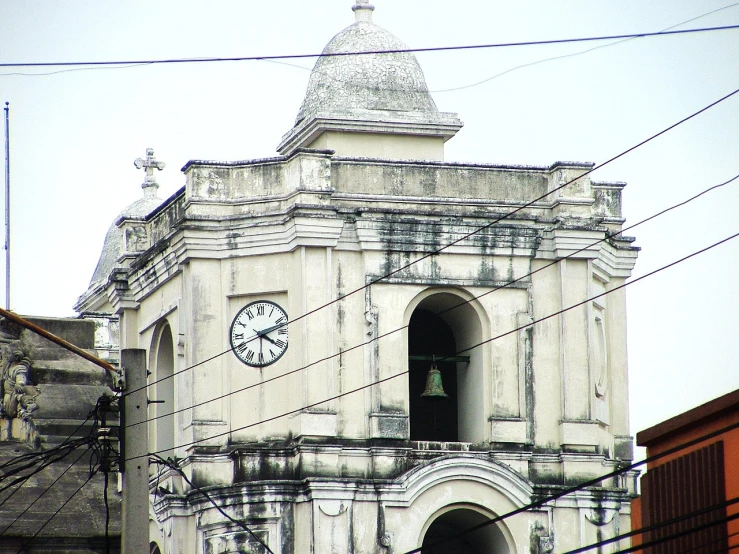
<point>7,205</point>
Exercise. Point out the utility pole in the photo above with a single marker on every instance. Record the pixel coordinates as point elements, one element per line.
<point>135,528</point>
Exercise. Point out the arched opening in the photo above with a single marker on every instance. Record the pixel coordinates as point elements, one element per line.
<point>162,428</point>
<point>431,418</point>
<point>486,540</point>
<point>446,324</point>
<point>154,548</point>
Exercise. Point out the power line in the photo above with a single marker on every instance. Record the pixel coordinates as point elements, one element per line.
<point>681,533</point>
<point>170,464</point>
<point>608,236</point>
<point>462,238</point>
<point>441,359</point>
<point>510,70</point>
<point>26,543</point>
<point>591,483</point>
<point>537,62</point>
<point>654,526</point>
<point>370,52</point>
<point>44,491</point>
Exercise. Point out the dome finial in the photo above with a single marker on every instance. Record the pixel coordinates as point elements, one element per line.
<point>363,10</point>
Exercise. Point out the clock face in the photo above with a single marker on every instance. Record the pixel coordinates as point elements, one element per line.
<point>259,333</point>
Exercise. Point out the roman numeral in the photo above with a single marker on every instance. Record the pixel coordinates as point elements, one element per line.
<point>250,356</point>
<point>282,331</point>
<point>281,320</point>
<point>238,336</point>
<point>261,359</point>
<point>240,348</point>
<point>280,344</point>
<point>251,315</point>
<point>260,309</point>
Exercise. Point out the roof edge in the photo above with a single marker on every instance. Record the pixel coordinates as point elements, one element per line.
<point>689,419</point>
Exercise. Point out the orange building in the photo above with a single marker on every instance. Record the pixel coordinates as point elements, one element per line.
<point>691,495</point>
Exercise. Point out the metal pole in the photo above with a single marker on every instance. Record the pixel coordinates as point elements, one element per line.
<point>135,524</point>
<point>7,205</point>
<point>58,340</point>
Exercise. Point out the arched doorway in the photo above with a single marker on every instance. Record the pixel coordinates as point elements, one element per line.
<point>489,539</point>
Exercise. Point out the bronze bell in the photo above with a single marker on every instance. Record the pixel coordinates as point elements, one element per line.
<point>434,387</point>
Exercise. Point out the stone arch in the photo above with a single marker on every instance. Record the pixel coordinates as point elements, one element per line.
<point>456,482</point>
<point>161,364</point>
<point>458,518</point>
<point>467,322</point>
<point>154,548</point>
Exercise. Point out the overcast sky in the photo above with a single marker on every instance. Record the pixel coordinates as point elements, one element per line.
<point>75,134</point>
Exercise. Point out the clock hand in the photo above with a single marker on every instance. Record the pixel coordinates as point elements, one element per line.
<point>265,336</point>
<point>269,329</point>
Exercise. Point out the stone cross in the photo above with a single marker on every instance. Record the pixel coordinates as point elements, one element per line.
<point>149,164</point>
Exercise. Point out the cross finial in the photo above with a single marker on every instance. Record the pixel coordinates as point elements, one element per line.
<point>363,10</point>
<point>150,184</point>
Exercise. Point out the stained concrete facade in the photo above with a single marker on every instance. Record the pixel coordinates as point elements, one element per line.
<point>378,250</point>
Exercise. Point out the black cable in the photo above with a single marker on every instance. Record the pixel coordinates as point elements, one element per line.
<point>586,484</point>
<point>442,358</point>
<point>371,52</point>
<point>607,237</point>
<point>46,462</point>
<point>26,543</point>
<point>43,492</point>
<point>461,239</point>
<point>174,466</point>
<point>107,511</point>
<point>654,526</point>
<point>677,535</point>
<point>483,81</point>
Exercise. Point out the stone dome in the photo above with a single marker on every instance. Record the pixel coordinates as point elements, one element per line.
<point>113,245</point>
<point>392,82</point>
<point>374,94</point>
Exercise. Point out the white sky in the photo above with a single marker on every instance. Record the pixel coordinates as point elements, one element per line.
<point>75,134</point>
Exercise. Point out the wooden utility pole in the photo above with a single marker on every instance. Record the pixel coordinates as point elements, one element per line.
<point>135,528</point>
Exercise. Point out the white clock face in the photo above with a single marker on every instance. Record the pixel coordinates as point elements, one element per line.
<point>259,333</point>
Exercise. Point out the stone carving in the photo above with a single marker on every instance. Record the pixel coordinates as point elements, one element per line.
<point>18,391</point>
<point>541,541</point>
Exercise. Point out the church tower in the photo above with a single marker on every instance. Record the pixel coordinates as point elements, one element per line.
<point>368,342</point>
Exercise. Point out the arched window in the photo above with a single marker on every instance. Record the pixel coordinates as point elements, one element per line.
<point>432,417</point>
<point>445,324</point>
<point>162,429</point>
<point>154,548</point>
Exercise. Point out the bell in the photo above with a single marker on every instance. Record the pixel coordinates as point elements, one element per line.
<point>434,387</point>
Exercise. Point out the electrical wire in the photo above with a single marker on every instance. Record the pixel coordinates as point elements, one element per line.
<point>537,62</point>
<point>45,463</point>
<point>26,543</point>
<point>678,534</point>
<point>591,483</point>
<point>442,358</point>
<point>370,52</point>
<point>658,525</point>
<point>44,491</point>
<point>512,69</point>
<point>175,467</point>
<point>461,239</point>
<point>607,237</point>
